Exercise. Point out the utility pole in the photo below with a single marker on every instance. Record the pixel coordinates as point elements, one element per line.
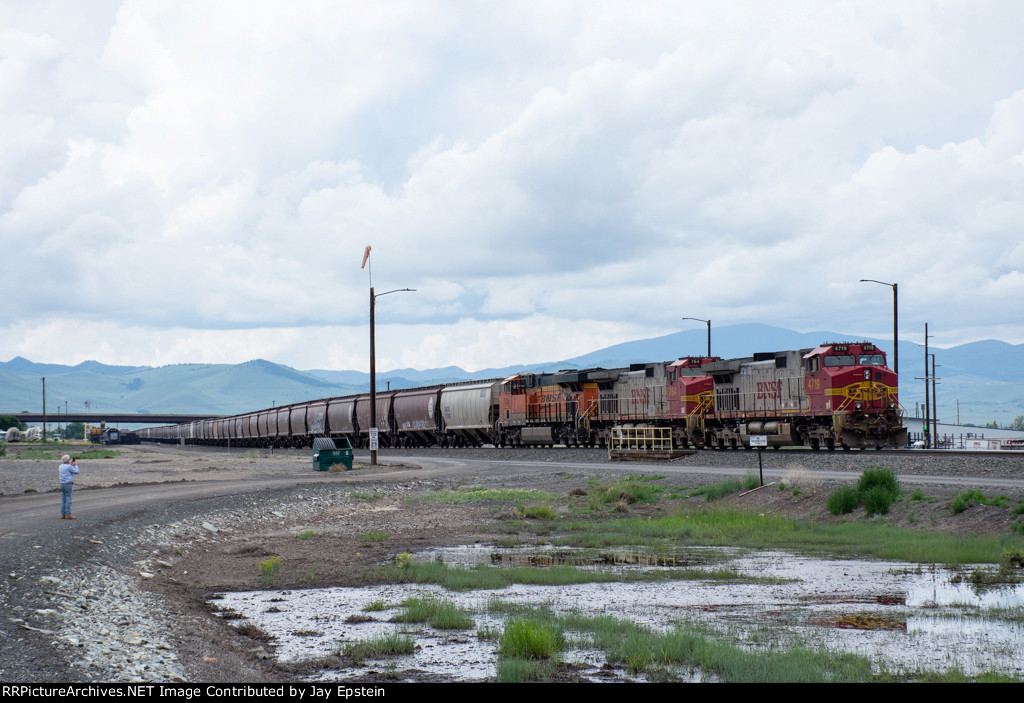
<point>44,409</point>
<point>935,406</point>
<point>927,400</point>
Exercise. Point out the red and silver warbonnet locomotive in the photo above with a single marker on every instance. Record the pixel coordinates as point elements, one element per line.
<point>836,395</point>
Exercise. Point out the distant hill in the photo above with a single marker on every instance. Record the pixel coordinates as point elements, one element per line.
<point>987,378</point>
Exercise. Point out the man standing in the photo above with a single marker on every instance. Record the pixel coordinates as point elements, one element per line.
<point>68,469</point>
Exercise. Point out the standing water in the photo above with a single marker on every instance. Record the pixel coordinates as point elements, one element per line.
<point>902,617</point>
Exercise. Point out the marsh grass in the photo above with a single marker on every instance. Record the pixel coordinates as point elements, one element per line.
<point>641,650</point>
<point>439,613</point>
<point>382,646</point>
<point>531,638</point>
<point>766,531</point>
<point>515,670</point>
<point>483,577</point>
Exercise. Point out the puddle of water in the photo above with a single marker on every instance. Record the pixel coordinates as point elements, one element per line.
<point>899,615</point>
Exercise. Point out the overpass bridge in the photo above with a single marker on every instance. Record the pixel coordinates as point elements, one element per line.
<point>96,418</point>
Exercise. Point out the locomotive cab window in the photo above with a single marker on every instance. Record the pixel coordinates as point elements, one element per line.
<point>813,364</point>
<point>839,360</point>
<point>871,360</point>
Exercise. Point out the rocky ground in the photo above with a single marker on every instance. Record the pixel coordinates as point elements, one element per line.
<point>123,595</point>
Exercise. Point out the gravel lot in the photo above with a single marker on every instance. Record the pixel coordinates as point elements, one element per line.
<point>119,594</point>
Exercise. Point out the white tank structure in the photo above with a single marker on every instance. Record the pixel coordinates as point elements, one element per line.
<point>33,434</point>
<point>13,435</point>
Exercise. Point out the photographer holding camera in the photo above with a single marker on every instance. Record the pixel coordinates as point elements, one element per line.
<point>68,469</point>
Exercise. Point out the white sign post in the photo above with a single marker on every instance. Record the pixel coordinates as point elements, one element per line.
<point>760,441</point>
<point>373,439</point>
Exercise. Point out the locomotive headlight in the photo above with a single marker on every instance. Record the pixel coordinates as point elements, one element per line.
<point>858,406</point>
<point>867,374</point>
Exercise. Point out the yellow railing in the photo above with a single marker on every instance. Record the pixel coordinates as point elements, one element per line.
<point>654,439</point>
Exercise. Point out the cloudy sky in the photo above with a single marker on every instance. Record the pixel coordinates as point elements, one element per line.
<point>196,181</point>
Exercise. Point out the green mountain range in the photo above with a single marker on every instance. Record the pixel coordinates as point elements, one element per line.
<point>987,378</point>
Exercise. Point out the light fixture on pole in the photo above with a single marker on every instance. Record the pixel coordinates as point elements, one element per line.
<point>697,319</point>
<point>895,323</point>
<point>373,357</point>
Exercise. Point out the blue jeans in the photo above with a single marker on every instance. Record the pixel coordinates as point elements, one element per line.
<point>65,498</point>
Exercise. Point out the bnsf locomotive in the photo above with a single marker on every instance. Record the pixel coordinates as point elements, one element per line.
<point>836,395</point>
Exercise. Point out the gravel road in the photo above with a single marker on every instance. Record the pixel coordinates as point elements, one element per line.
<point>118,594</point>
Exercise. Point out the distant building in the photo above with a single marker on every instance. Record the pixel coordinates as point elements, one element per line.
<point>961,436</point>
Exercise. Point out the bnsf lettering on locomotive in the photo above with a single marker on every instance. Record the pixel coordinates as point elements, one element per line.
<point>769,389</point>
<point>640,396</point>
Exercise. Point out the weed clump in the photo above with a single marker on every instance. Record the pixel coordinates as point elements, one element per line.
<point>537,511</point>
<point>269,568</point>
<point>877,489</point>
<point>624,492</point>
<point>879,486</point>
<point>843,500</point>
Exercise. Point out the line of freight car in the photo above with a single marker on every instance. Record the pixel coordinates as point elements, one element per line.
<point>405,418</point>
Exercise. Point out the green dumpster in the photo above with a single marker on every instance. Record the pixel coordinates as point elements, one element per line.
<point>326,453</point>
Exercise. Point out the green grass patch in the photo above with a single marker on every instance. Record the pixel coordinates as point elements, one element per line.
<point>727,487</point>
<point>55,450</point>
<point>975,496</point>
<point>307,534</point>
<point>437,612</point>
<point>919,496</point>
<point>374,536</point>
<point>376,606</point>
<point>366,495</point>
<point>478,494</point>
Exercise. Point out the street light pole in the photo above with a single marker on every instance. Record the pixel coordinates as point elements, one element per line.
<point>895,324</point>
<point>697,319</point>
<point>373,366</point>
